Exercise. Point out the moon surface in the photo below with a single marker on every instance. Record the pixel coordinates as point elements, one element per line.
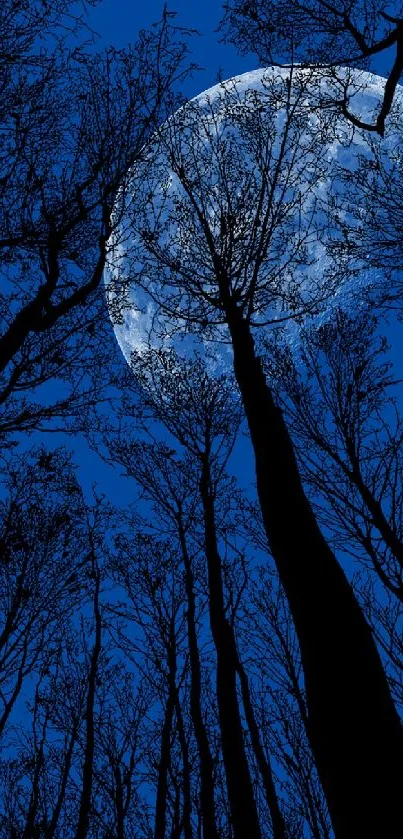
<point>253,169</point>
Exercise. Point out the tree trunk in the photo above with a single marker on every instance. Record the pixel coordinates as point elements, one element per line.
<point>89,751</point>
<point>65,772</point>
<point>165,753</point>
<point>278,823</point>
<point>353,726</point>
<point>203,747</point>
<point>31,828</point>
<point>186,783</point>
<point>245,821</point>
<point>119,803</point>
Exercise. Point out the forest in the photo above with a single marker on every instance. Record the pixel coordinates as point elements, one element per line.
<point>201,420</point>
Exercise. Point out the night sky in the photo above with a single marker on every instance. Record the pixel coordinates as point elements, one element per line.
<point>117,23</point>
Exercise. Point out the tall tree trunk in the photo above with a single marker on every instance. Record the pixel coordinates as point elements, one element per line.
<point>31,828</point>
<point>186,822</point>
<point>353,726</point>
<point>278,823</point>
<point>165,753</point>
<point>203,746</point>
<point>89,751</point>
<point>65,772</point>
<point>119,803</point>
<point>245,821</point>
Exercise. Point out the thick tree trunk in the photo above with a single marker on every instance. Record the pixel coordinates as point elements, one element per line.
<point>205,757</point>
<point>244,817</point>
<point>353,726</point>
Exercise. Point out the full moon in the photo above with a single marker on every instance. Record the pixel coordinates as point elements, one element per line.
<point>249,177</point>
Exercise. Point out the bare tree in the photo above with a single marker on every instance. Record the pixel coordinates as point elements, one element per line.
<point>83,821</point>
<point>73,121</point>
<point>384,613</point>
<point>268,642</point>
<point>163,479</point>
<point>44,556</point>
<point>367,213</point>
<point>152,634</point>
<point>340,399</point>
<point>120,744</point>
<point>224,244</point>
<point>321,33</point>
<point>203,417</point>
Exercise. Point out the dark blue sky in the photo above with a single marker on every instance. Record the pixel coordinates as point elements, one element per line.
<point>118,22</point>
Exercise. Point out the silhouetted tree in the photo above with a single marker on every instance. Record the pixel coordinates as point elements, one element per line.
<point>268,639</point>
<point>44,554</point>
<point>120,740</point>
<point>93,676</point>
<point>368,214</point>
<point>237,244</point>
<point>153,634</point>
<point>157,678</point>
<point>321,33</point>
<point>73,121</point>
<point>203,417</point>
<point>340,399</point>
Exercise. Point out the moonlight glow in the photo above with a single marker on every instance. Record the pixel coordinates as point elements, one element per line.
<point>248,175</point>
